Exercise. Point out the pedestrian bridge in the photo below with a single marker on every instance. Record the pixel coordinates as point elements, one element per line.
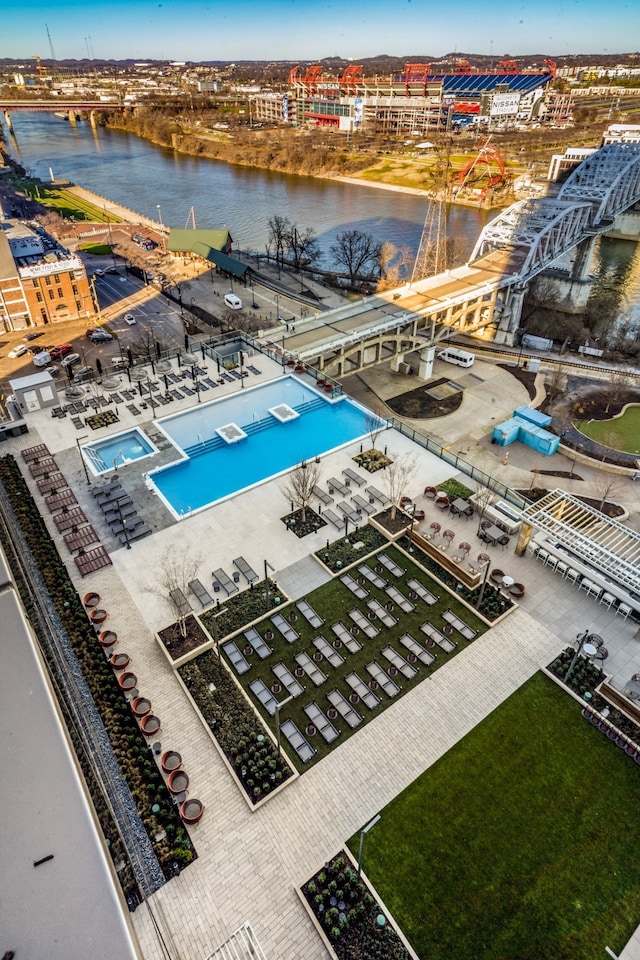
<point>485,296</point>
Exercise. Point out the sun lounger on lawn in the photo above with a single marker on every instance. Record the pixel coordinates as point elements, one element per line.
<point>382,678</point>
<point>309,613</point>
<point>180,602</point>
<point>354,477</point>
<point>390,564</point>
<point>287,631</point>
<point>394,594</point>
<point>235,658</point>
<point>262,693</point>
<point>259,645</point>
<point>434,634</point>
<point>399,663</point>
<point>247,572</point>
<point>350,642</point>
<point>328,652</point>
<point>321,723</point>
<point>344,708</point>
<point>338,485</point>
<point>223,579</point>
<point>424,656</point>
<point>201,593</point>
<point>301,746</point>
<point>356,589</point>
<point>424,594</point>
<point>287,679</point>
<point>364,623</point>
<point>372,576</point>
<point>467,632</point>
<point>381,612</point>
<point>358,686</point>
<point>323,497</point>
<point>311,669</point>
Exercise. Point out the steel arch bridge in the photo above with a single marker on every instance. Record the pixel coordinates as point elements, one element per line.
<point>537,232</point>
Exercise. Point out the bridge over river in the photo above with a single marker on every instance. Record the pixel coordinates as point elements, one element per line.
<point>554,236</point>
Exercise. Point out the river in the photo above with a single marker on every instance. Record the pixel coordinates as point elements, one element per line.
<point>143,176</point>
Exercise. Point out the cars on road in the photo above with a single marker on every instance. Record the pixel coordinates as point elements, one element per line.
<point>18,351</point>
<point>233,302</point>
<point>60,351</point>
<point>71,360</point>
<point>130,319</point>
<point>98,273</point>
<point>98,335</point>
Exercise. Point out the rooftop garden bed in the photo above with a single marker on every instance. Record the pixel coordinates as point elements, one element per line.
<point>243,608</point>
<point>536,860</point>
<point>315,674</point>
<point>345,551</point>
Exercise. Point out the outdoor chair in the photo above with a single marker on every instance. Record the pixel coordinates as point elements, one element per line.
<point>572,575</point>
<point>504,541</point>
<point>430,493</point>
<point>496,575</point>
<point>624,611</point>
<point>443,503</point>
<point>516,590</point>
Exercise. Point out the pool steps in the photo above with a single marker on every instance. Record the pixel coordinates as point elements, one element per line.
<point>256,426</point>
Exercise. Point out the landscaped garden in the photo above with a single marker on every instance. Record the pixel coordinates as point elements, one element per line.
<point>66,203</point>
<point>622,433</point>
<point>519,843</point>
<point>342,676</point>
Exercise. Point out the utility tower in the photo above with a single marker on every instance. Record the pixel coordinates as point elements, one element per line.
<point>431,258</point>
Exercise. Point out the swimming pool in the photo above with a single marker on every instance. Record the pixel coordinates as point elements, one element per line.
<point>218,463</point>
<point>118,450</point>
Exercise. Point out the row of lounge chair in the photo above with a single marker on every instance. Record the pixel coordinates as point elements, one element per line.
<point>119,512</point>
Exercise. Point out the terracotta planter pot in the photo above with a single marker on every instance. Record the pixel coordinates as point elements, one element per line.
<point>354,698</point>
<point>107,638</point>
<point>299,672</point>
<point>98,615</point>
<point>150,725</point>
<point>178,781</point>
<point>141,707</point>
<point>119,660</point>
<point>170,760</point>
<point>91,599</point>
<point>332,713</point>
<point>127,681</point>
<point>275,687</point>
<point>310,730</point>
<point>192,810</point>
<point>317,655</point>
<point>392,671</point>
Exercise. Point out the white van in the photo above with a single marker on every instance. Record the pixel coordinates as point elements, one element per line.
<point>120,361</point>
<point>42,359</point>
<point>460,357</point>
<point>233,302</point>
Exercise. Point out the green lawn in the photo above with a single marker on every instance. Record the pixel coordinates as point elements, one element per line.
<point>622,433</point>
<point>67,204</point>
<point>332,602</point>
<point>520,844</point>
<point>96,249</point>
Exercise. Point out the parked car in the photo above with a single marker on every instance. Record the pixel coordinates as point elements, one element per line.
<point>120,361</point>
<point>233,302</point>
<point>100,336</point>
<point>130,319</point>
<point>61,351</point>
<point>82,374</point>
<point>18,351</point>
<point>71,360</point>
<point>34,335</point>
<point>42,359</point>
<point>111,270</point>
<point>53,371</point>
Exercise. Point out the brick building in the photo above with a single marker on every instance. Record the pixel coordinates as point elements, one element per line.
<point>40,281</point>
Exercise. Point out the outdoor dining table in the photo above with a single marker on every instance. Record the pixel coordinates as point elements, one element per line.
<point>492,534</point>
<point>460,506</point>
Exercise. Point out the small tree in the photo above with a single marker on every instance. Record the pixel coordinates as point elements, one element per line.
<point>483,499</point>
<point>397,476</point>
<point>374,426</point>
<point>607,486</point>
<point>176,569</point>
<point>617,386</point>
<point>279,228</point>
<point>555,382</point>
<point>358,253</point>
<point>299,487</point>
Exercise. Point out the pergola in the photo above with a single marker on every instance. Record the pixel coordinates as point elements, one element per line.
<point>596,540</point>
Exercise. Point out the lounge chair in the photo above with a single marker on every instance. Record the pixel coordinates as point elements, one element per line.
<point>221,579</point>
<point>334,484</point>
<point>323,497</point>
<point>180,602</point>
<point>247,572</point>
<point>349,512</point>
<point>333,518</point>
<point>203,595</point>
<point>354,477</point>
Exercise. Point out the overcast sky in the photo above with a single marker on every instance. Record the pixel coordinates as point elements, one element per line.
<point>304,30</point>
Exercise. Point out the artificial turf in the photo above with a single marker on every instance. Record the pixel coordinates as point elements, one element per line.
<point>622,433</point>
<point>332,602</point>
<point>521,843</point>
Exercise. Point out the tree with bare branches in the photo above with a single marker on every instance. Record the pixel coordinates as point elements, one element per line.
<point>358,253</point>
<point>617,386</point>
<point>299,487</point>
<point>175,570</point>
<point>607,486</point>
<point>482,501</point>
<point>374,426</point>
<point>397,477</point>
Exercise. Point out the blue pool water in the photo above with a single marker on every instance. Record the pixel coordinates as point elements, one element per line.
<point>215,469</point>
<point>118,450</point>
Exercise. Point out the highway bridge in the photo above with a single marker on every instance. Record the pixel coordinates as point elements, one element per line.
<point>485,296</point>
<point>59,105</point>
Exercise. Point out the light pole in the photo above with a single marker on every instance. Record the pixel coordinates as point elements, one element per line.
<point>487,564</point>
<point>278,708</point>
<point>215,628</point>
<point>363,833</point>
<point>267,567</point>
<point>82,460</point>
<point>583,639</point>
